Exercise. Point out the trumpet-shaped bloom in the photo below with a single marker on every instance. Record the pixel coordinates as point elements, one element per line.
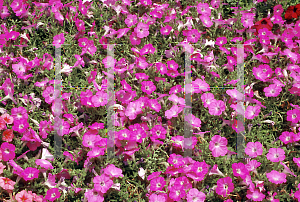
<point>216,107</point>
<point>276,177</point>
<point>102,183</point>
<point>272,91</point>
<point>58,40</point>
<point>142,30</point>
<point>52,194</point>
<point>251,112</point>
<point>224,186</point>
<point>194,195</point>
<point>254,149</point>
<point>276,154</point>
<point>218,146</point>
<point>8,151</point>
<point>30,173</point>
<point>293,115</point>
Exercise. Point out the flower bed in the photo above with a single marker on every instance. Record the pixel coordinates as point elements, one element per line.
<point>197,101</point>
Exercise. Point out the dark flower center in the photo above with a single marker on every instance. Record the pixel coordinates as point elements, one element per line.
<point>264,22</point>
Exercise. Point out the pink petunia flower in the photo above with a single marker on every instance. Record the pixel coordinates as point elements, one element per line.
<point>177,193</point>
<point>256,195</point>
<point>7,184</point>
<point>203,9</point>
<point>276,177</point>
<point>148,87</point>
<point>272,91</point>
<point>52,194</point>
<point>166,30</point>
<point>254,149</point>
<point>240,170</point>
<point>293,115</point>
<point>8,135</point>
<point>8,151</point>
<point>173,112</point>
<point>102,183</point>
<point>100,99</point>
<point>24,196</point>
<point>131,20</point>
<point>224,186</point>
<point>50,94</point>
<point>58,40</point>
<point>141,62</point>
<point>112,171</point>
<point>194,195</point>
<point>193,36</point>
<point>252,112</point>
<point>94,196</point>
<point>1,168</point>
<point>287,137</point>
<point>133,109</point>
<point>30,173</point>
<point>148,48</point>
<point>142,30</point>
<point>157,184</point>
<point>276,154</point>
<point>216,107</point>
<point>207,98</point>
<point>109,62</point>
<point>218,146</point>
<point>206,21</point>
<point>19,113</point>
<point>157,197</point>
<point>134,39</point>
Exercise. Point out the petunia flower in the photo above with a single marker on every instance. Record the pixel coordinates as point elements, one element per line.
<point>276,154</point>
<point>58,40</point>
<point>157,197</point>
<point>24,196</point>
<point>256,195</point>
<point>173,112</point>
<point>240,170</point>
<point>193,36</point>
<point>157,184</point>
<point>112,171</point>
<point>216,107</point>
<point>272,91</point>
<point>203,9</point>
<point>19,113</point>
<point>252,112</point>
<point>30,173</point>
<point>293,115</point>
<point>134,39</point>
<point>276,177</point>
<point>224,186</point>
<point>166,30</point>
<point>218,146</point>
<point>8,151</point>
<point>102,183</point>
<point>142,30</point>
<point>7,184</point>
<point>92,195</point>
<point>194,195</point>
<point>52,194</point>
<point>292,12</point>
<point>254,149</point>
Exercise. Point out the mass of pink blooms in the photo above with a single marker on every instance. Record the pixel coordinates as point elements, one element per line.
<point>137,103</point>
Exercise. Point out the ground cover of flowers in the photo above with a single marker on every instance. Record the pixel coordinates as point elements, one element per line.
<point>154,39</point>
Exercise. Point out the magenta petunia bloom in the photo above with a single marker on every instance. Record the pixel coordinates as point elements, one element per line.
<point>52,194</point>
<point>287,137</point>
<point>224,186</point>
<point>148,48</point>
<point>153,104</point>
<point>251,112</point>
<point>148,87</point>
<point>254,149</point>
<point>30,173</point>
<point>177,193</point>
<point>203,9</point>
<point>146,2</point>
<point>142,30</point>
<point>272,91</point>
<point>172,65</point>
<point>247,19</point>
<point>19,113</point>
<point>112,171</point>
<point>193,36</point>
<point>20,125</point>
<point>100,99</point>
<point>157,197</point>
<point>94,196</point>
<point>50,94</point>
<point>276,177</point>
<point>157,184</point>
<point>131,20</point>
<point>58,40</point>
<point>109,62</point>
<point>206,21</point>
<point>218,146</point>
<point>44,163</point>
<point>207,98</point>
<point>132,110</point>
<point>293,115</point>
<point>221,41</point>
<point>141,62</point>
<point>256,195</point>
<point>89,140</point>
<point>194,195</point>
<point>240,170</point>
<point>216,107</point>
<point>102,183</point>
<point>8,151</point>
<point>276,154</point>
<point>198,171</point>
<point>173,112</point>
<point>161,67</point>
<point>166,30</point>
<point>134,39</point>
